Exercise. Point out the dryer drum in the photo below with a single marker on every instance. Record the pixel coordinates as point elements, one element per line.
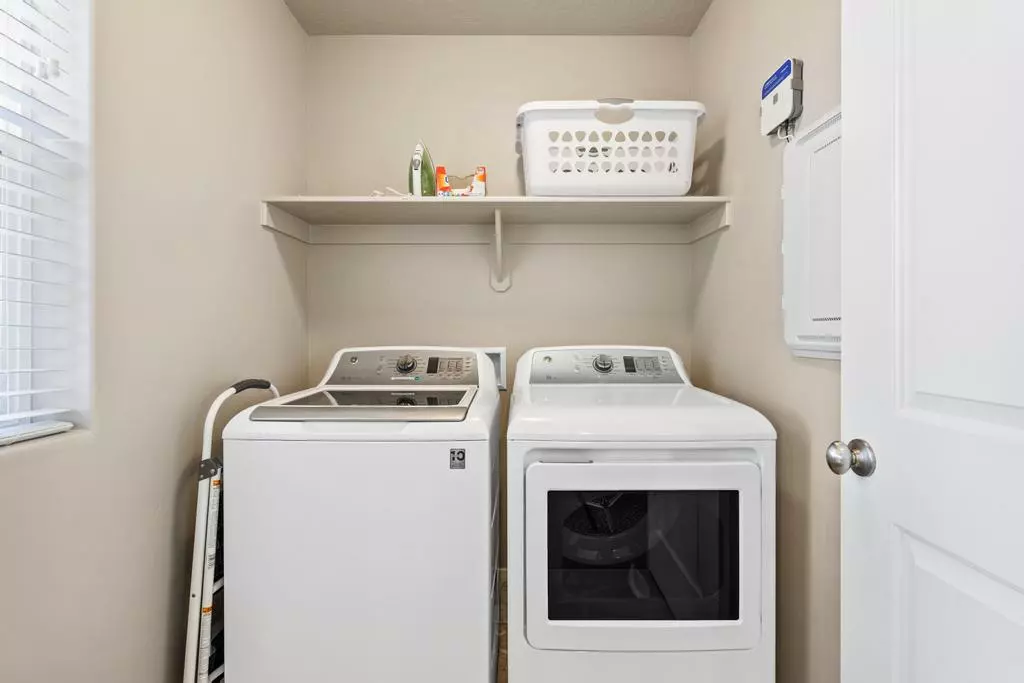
<point>604,528</point>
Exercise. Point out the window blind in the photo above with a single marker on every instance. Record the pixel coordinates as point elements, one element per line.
<point>43,114</point>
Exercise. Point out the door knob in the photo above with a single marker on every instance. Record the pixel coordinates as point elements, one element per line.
<point>858,457</point>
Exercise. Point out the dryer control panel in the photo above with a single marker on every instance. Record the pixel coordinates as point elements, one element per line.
<point>613,365</point>
<point>395,367</point>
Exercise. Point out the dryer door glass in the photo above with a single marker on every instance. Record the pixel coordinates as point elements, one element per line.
<point>658,555</point>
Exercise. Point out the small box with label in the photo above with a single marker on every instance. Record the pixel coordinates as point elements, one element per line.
<point>473,185</point>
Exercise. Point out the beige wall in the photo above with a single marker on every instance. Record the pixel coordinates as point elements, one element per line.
<point>439,294</point>
<point>372,98</point>
<point>199,111</point>
<point>738,346</point>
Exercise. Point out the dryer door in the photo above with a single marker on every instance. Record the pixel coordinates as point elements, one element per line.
<point>660,556</point>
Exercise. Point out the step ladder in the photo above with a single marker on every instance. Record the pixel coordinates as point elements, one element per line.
<point>204,639</point>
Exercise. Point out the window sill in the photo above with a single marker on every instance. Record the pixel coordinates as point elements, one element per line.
<point>36,430</point>
<point>76,437</point>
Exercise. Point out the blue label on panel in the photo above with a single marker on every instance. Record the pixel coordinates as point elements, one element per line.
<point>784,72</point>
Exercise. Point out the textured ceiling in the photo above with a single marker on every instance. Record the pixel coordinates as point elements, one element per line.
<point>499,17</point>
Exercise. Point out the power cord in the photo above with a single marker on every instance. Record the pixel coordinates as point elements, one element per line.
<point>786,131</point>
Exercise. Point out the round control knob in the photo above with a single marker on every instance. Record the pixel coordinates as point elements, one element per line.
<point>405,364</point>
<point>603,364</point>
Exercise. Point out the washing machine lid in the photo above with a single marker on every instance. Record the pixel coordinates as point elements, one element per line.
<point>370,404</point>
<point>648,413</point>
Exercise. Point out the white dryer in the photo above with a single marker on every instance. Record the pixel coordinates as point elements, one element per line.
<point>641,524</point>
<point>361,524</point>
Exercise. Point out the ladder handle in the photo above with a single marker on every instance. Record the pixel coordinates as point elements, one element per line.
<point>246,384</point>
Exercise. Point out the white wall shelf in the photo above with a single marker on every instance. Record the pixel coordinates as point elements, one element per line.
<point>497,221</point>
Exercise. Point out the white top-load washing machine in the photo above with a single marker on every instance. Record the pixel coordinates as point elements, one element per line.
<point>641,524</point>
<point>361,524</point>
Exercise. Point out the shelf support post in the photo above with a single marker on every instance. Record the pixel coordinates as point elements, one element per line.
<point>501,280</point>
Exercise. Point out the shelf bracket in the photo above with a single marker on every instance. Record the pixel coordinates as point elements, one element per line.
<point>710,223</point>
<point>283,222</point>
<point>501,280</point>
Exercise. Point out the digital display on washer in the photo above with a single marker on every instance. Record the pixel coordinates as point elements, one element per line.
<point>436,365</point>
<point>634,364</point>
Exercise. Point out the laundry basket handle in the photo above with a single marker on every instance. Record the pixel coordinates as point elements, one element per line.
<point>614,110</point>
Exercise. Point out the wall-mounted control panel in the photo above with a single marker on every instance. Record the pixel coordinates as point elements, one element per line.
<point>782,96</point>
<point>613,365</point>
<point>396,367</point>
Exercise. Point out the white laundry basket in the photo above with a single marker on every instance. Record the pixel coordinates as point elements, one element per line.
<point>608,147</point>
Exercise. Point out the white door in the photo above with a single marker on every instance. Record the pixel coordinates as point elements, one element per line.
<point>656,556</point>
<point>933,340</point>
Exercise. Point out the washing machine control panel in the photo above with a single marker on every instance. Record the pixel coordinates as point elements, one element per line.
<point>605,366</point>
<point>406,366</point>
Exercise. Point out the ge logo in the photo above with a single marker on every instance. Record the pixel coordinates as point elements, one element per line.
<point>457,459</point>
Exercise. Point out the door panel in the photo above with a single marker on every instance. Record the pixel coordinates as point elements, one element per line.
<point>643,556</point>
<point>933,332</point>
<point>953,607</point>
<point>958,167</point>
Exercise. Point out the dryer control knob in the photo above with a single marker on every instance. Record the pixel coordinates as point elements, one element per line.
<point>405,364</point>
<point>604,364</point>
